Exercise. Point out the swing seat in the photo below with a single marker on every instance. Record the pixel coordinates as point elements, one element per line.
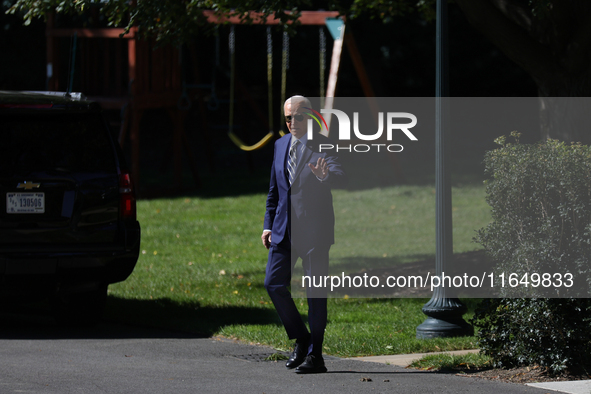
<point>250,148</point>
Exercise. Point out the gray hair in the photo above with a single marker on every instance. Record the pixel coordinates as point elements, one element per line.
<point>299,98</point>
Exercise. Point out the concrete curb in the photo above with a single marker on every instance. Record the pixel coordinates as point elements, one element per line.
<point>572,387</point>
<point>404,360</point>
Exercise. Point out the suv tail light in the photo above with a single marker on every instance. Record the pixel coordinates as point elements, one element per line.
<point>127,208</point>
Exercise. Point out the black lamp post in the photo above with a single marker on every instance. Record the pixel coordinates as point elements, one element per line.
<point>444,314</point>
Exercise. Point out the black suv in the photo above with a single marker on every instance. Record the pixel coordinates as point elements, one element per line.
<point>69,225</point>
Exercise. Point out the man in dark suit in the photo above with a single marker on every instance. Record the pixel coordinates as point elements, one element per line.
<point>299,222</point>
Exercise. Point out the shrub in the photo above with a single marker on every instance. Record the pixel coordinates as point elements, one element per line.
<point>550,332</point>
<point>540,197</point>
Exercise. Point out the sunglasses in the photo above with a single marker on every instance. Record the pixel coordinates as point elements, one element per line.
<point>297,117</point>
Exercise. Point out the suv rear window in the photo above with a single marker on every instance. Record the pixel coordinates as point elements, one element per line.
<point>54,143</point>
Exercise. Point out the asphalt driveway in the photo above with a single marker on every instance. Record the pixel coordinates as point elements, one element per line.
<point>36,356</point>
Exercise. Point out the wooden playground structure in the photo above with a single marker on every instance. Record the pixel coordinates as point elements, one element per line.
<point>124,73</point>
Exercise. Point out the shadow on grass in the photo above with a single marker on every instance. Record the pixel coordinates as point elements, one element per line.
<point>355,275</point>
<point>369,263</point>
<point>240,181</point>
<point>35,322</point>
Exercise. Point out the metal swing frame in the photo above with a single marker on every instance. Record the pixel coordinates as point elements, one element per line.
<point>330,19</point>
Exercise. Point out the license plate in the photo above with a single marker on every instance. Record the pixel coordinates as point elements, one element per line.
<point>25,202</point>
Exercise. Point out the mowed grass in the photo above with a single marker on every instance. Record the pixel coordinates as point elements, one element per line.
<point>398,223</point>
<point>446,361</point>
<point>202,268</point>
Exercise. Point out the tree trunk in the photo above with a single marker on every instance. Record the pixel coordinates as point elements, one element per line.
<point>565,108</point>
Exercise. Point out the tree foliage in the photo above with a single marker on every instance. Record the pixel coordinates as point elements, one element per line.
<point>384,9</point>
<point>549,39</point>
<point>166,21</point>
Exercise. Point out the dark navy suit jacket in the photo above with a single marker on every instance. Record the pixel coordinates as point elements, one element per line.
<point>302,213</point>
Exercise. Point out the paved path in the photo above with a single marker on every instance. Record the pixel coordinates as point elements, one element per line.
<point>575,387</point>
<point>404,360</point>
<point>37,357</point>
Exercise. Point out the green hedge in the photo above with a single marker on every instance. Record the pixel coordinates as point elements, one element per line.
<point>540,195</point>
<point>550,332</point>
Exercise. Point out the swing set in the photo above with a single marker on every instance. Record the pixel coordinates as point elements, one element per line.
<point>136,77</point>
<point>284,67</point>
<point>336,27</point>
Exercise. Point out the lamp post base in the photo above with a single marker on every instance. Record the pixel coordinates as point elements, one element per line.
<point>444,319</point>
<point>438,328</point>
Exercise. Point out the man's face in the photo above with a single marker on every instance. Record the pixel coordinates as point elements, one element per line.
<point>295,118</point>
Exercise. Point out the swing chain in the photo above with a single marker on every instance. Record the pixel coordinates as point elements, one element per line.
<point>269,48</point>
<point>284,68</point>
<point>286,50</point>
<point>231,46</point>
<point>233,137</point>
<point>270,76</point>
<point>213,102</point>
<point>322,65</point>
<point>184,102</point>
<point>323,43</point>
<point>232,40</point>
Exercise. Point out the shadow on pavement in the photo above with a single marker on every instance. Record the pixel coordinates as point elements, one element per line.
<point>124,318</point>
<point>37,324</point>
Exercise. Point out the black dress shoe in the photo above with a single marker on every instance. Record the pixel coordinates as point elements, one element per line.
<point>313,364</point>
<point>297,356</point>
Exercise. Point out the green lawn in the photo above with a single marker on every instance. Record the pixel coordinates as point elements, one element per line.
<point>202,267</point>
<point>448,362</point>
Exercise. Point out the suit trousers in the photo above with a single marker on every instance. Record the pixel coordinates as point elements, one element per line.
<point>282,259</point>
